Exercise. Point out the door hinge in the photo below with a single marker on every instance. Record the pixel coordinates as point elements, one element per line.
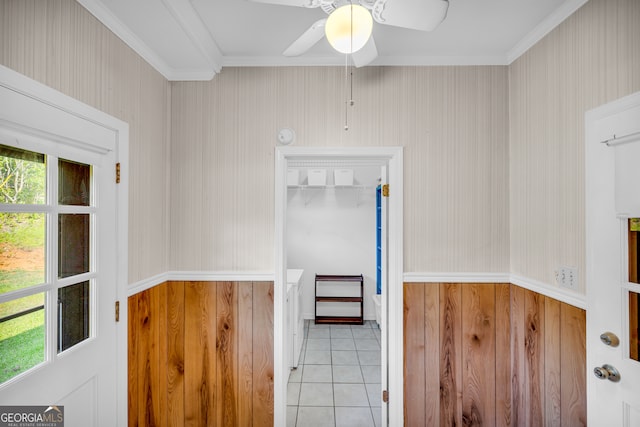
<point>118,173</point>
<point>385,396</point>
<point>385,190</point>
<point>117,311</point>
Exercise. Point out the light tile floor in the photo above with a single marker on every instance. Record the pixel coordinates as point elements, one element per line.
<point>337,383</point>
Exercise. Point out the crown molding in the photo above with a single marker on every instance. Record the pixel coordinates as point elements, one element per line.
<point>190,24</point>
<point>109,20</point>
<point>338,60</point>
<point>544,28</point>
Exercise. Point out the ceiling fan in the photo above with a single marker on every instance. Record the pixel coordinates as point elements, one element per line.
<point>423,15</point>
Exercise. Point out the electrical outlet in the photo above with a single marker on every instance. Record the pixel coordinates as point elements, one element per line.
<point>567,277</point>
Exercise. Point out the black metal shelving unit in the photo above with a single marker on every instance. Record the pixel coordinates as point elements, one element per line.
<point>347,280</point>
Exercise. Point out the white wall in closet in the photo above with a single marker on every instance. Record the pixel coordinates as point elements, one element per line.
<point>331,230</point>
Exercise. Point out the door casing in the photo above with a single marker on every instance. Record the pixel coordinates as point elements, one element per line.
<point>394,157</point>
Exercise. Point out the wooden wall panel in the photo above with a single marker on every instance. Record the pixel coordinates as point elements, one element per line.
<point>201,354</point>
<point>132,344</point>
<point>200,301</point>
<point>175,353</point>
<point>503,356</point>
<point>415,361</point>
<point>450,355</point>
<point>534,358</point>
<point>573,366</point>
<point>507,357</point>
<point>479,354</point>
<point>226,353</point>
<point>432,353</point>
<point>263,354</point>
<point>552,367</point>
<point>518,402</point>
<point>245,354</point>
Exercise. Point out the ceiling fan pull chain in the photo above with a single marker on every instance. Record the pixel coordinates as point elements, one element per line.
<point>346,92</point>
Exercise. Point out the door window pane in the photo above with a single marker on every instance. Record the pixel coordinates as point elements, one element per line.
<point>74,183</point>
<point>73,315</point>
<point>634,246</point>
<point>22,250</point>
<point>22,176</point>
<point>634,343</point>
<point>73,244</point>
<point>22,335</point>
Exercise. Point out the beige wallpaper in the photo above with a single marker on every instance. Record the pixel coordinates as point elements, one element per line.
<point>58,43</point>
<point>590,59</point>
<point>464,183</point>
<point>452,122</point>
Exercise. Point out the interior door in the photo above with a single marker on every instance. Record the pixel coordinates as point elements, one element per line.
<point>384,297</point>
<point>613,289</point>
<point>78,275</point>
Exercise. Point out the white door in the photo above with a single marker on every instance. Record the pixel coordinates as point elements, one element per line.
<point>68,286</point>
<point>612,243</point>
<point>384,297</point>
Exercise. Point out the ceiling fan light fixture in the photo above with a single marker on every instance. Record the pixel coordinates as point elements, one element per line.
<point>348,28</point>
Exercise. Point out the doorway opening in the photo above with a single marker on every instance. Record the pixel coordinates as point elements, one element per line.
<point>386,164</point>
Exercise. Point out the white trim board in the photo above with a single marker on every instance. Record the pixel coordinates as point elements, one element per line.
<point>560,294</point>
<point>456,277</point>
<point>563,295</point>
<point>199,276</point>
<point>572,298</point>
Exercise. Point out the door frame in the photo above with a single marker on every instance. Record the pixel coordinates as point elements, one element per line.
<point>394,157</point>
<point>603,243</point>
<point>41,109</point>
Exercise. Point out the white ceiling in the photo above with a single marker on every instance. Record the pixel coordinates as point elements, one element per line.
<point>194,39</point>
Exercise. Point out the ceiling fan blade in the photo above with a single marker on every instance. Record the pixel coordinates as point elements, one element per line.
<point>365,55</point>
<point>307,39</point>
<point>423,15</point>
<point>298,3</point>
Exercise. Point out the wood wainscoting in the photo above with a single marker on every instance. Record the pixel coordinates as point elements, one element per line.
<point>201,354</point>
<point>492,355</point>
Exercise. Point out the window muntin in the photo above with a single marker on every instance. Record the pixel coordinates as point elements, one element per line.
<point>56,202</point>
<point>73,315</point>
<point>634,297</point>
<point>73,244</point>
<point>74,183</point>
<point>22,335</point>
<point>22,176</point>
<point>22,250</point>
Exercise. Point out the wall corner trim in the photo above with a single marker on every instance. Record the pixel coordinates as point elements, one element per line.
<point>569,297</point>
